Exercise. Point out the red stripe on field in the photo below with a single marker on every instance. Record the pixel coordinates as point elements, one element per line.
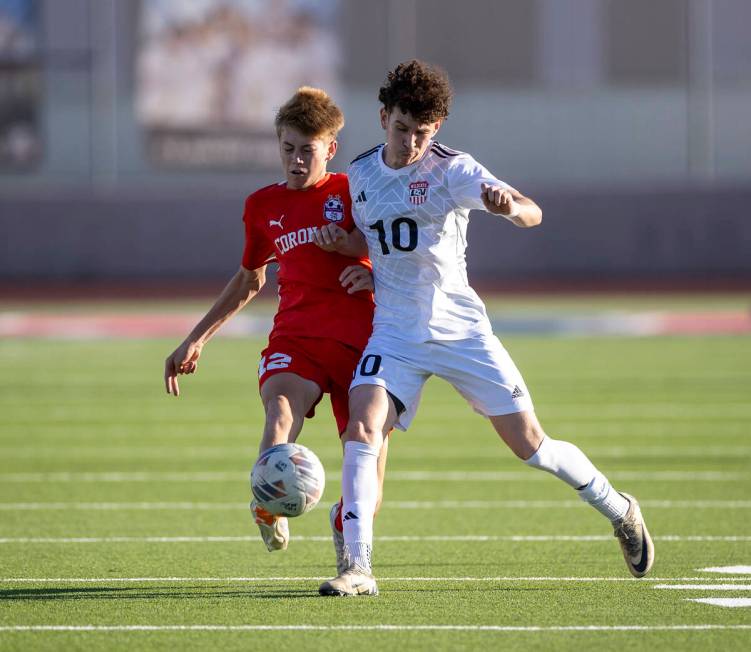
<point>147,325</point>
<point>706,323</point>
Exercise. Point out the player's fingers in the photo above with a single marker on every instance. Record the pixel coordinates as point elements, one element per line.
<point>322,239</point>
<point>171,385</point>
<point>359,278</point>
<point>325,236</point>
<point>363,282</point>
<point>347,271</point>
<point>348,276</point>
<point>169,372</point>
<point>352,272</point>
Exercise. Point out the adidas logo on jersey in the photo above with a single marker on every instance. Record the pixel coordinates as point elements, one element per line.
<point>517,393</point>
<point>350,516</point>
<point>361,198</point>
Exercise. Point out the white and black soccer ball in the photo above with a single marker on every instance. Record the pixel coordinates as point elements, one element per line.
<point>287,480</point>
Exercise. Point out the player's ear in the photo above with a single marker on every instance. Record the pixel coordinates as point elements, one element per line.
<point>437,126</point>
<point>331,152</point>
<point>384,117</point>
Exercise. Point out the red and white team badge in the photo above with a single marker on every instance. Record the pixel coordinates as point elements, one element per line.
<point>333,208</point>
<point>418,192</point>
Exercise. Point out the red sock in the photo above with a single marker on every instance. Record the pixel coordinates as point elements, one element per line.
<point>338,520</point>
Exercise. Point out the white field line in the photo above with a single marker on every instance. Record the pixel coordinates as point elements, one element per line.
<point>723,602</point>
<point>387,539</point>
<point>122,436</point>
<point>704,587</point>
<point>136,580</point>
<point>406,476</point>
<point>409,505</point>
<point>631,412</point>
<point>249,452</point>
<point>732,570</point>
<point>368,628</point>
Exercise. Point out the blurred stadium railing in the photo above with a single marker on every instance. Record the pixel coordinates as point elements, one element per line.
<point>130,131</point>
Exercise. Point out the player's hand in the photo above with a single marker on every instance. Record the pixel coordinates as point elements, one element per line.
<point>330,237</point>
<point>183,360</point>
<point>358,278</point>
<point>499,201</point>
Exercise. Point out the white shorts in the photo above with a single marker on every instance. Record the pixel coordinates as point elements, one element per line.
<point>480,369</point>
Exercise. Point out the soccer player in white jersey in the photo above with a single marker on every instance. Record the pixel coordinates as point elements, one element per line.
<point>411,200</point>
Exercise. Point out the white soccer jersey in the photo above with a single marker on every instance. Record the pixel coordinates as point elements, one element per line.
<point>415,222</point>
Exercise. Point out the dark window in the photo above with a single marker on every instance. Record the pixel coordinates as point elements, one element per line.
<point>646,41</point>
<point>481,41</point>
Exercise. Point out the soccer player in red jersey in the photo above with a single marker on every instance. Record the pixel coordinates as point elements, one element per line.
<point>325,309</point>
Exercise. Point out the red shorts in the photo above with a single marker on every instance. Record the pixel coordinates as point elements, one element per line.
<point>328,363</point>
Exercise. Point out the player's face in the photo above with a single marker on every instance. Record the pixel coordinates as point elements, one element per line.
<point>304,158</point>
<point>406,138</point>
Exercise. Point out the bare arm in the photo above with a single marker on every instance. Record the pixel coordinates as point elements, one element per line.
<point>242,287</point>
<point>511,204</point>
<point>333,237</point>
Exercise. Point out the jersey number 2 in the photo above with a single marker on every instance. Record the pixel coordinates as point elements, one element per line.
<point>396,234</point>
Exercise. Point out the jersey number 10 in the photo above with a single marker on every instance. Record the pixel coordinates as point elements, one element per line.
<point>396,234</point>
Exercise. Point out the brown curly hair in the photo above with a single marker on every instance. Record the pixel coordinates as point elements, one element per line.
<point>312,112</point>
<point>418,88</point>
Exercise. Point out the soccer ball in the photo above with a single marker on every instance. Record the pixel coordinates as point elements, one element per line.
<point>287,480</point>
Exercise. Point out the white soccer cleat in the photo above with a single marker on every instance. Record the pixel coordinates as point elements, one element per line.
<point>338,537</point>
<point>274,529</point>
<point>636,544</point>
<point>353,581</point>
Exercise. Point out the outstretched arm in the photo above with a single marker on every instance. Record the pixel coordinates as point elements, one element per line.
<point>511,204</point>
<point>243,286</point>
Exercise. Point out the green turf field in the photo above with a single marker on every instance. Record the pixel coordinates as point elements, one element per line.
<point>123,508</point>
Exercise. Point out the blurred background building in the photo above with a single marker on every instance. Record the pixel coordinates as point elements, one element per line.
<point>131,131</point>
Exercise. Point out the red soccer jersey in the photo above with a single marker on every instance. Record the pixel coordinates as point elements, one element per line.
<point>279,226</point>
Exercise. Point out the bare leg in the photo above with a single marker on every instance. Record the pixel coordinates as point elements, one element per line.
<point>287,398</point>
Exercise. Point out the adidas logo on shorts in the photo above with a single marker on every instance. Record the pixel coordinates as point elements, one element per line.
<point>517,393</point>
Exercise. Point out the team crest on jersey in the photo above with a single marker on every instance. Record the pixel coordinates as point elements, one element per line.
<point>418,192</point>
<point>333,208</point>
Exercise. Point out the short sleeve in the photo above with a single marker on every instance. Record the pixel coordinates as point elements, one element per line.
<point>465,179</point>
<point>258,249</point>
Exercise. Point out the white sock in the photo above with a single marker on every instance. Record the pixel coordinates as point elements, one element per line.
<point>564,461</point>
<point>359,495</point>
<point>600,494</point>
<point>567,462</point>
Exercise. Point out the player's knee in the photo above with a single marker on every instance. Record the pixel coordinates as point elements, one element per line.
<point>525,442</point>
<point>362,431</point>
